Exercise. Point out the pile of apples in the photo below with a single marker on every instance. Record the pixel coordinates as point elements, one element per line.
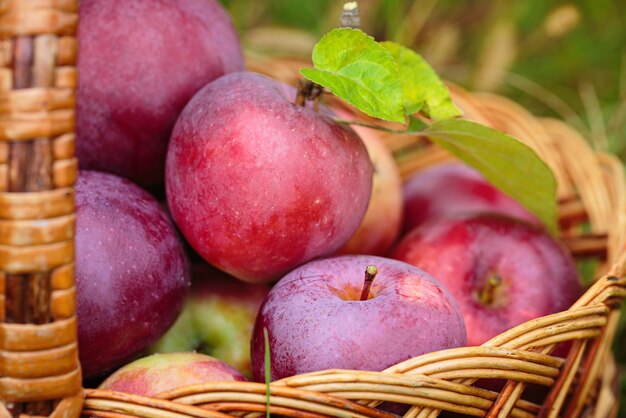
<point>297,226</point>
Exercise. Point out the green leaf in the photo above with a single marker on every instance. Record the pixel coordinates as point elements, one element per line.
<point>416,125</point>
<point>507,163</point>
<point>359,70</point>
<point>423,89</point>
<point>268,374</point>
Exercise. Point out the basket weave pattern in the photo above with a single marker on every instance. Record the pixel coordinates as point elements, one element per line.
<point>39,370</point>
<point>38,360</point>
<point>591,190</point>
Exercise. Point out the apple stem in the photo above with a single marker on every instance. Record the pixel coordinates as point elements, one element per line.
<point>350,17</point>
<point>370,275</point>
<point>308,90</point>
<point>486,295</point>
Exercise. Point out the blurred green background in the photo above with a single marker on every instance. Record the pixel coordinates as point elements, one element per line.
<point>557,58</point>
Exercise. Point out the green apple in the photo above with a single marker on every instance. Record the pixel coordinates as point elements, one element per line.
<point>217,318</point>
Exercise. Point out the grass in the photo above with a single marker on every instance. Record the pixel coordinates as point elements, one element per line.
<point>268,373</point>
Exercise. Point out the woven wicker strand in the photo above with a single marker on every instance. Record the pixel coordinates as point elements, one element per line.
<point>39,370</point>
<point>591,190</point>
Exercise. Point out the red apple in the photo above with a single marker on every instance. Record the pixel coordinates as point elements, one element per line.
<point>317,319</point>
<point>382,222</point>
<point>139,63</point>
<point>501,270</point>
<point>160,373</point>
<point>259,185</point>
<point>132,273</point>
<point>217,319</point>
<point>455,188</point>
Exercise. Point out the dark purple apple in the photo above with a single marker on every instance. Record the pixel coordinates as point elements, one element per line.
<point>501,270</point>
<point>455,188</point>
<point>132,273</point>
<point>139,63</point>
<point>259,185</point>
<point>160,373</point>
<point>319,317</point>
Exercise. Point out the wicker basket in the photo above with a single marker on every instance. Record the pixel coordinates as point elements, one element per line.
<point>40,374</point>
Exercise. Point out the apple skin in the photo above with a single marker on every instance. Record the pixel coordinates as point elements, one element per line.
<point>139,63</point>
<point>160,373</point>
<point>217,318</point>
<point>538,276</point>
<point>259,185</point>
<point>383,220</point>
<point>132,274</point>
<point>455,188</point>
<point>315,320</point>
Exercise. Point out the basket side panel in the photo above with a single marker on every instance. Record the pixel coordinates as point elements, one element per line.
<point>39,369</point>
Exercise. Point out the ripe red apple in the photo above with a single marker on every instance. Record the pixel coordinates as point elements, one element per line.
<point>139,63</point>
<point>132,273</point>
<point>160,373</point>
<point>318,317</point>
<point>217,319</point>
<point>259,185</point>
<point>455,188</point>
<point>501,270</point>
<point>382,222</point>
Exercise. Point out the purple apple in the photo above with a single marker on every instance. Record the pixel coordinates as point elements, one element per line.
<point>455,188</point>
<point>160,373</point>
<point>217,319</point>
<point>501,270</point>
<point>132,273</point>
<point>322,316</point>
<point>139,63</point>
<point>259,185</point>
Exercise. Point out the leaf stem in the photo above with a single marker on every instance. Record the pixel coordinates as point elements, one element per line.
<point>377,127</point>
